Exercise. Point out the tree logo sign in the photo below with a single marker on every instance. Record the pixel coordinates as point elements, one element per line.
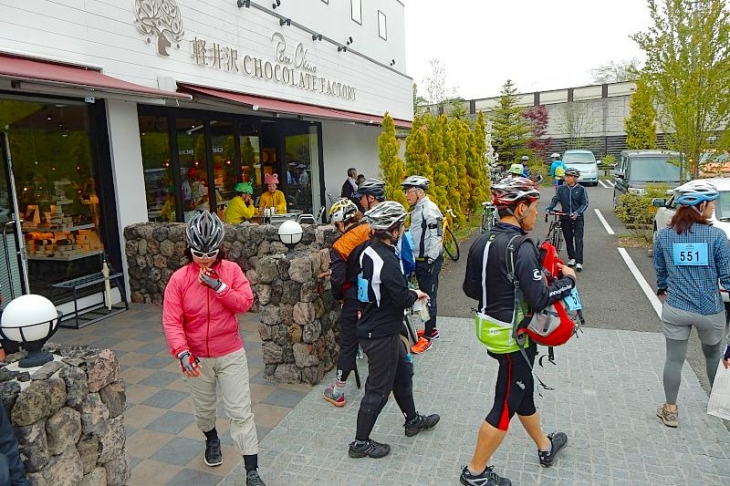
<point>160,18</point>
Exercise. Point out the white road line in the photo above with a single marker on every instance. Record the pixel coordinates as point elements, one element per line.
<point>610,184</point>
<point>604,222</point>
<point>653,299</point>
<point>603,184</point>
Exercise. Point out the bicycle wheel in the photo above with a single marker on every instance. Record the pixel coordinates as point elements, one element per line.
<point>451,246</point>
<point>558,239</point>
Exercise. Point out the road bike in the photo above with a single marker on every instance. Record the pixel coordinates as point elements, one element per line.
<point>451,246</point>
<point>489,217</point>
<point>555,231</point>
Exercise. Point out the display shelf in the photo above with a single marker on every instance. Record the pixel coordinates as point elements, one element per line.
<point>61,229</point>
<point>66,258</point>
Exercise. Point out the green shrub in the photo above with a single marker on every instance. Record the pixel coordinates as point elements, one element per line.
<point>636,212</point>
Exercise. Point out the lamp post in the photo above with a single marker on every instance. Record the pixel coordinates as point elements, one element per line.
<point>290,233</point>
<point>30,320</point>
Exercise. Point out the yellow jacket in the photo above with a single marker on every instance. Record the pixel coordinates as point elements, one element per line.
<point>270,200</point>
<point>237,211</point>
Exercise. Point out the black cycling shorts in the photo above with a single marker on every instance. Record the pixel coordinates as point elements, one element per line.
<point>514,390</point>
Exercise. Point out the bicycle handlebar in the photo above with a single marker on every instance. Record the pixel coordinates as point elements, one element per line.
<point>554,213</point>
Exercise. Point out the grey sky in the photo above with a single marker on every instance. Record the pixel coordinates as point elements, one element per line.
<point>538,44</point>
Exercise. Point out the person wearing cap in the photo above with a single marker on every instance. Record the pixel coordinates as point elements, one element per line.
<point>557,169</point>
<point>241,208</point>
<point>573,199</point>
<point>272,197</point>
<point>426,230</point>
<point>515,170</point>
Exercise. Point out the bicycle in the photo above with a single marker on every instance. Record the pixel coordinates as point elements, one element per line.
<point>489,217</point>
<point>448,240</point>
<point>555,231</point>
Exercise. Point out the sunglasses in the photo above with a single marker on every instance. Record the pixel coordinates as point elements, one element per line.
<point>202,254</point>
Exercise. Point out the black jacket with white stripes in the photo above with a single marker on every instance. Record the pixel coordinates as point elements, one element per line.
<point>387,292</point>
<point>500,291</point>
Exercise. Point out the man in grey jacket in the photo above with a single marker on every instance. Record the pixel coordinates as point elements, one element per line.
<point>426,230</point>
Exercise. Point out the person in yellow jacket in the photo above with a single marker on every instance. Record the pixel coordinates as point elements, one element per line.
<point>272,197</point>
<point>241,208</point>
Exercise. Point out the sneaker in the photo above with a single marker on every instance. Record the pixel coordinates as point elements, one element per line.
<point>422,345</point>
<point>571,262</point>
<point>336,399</point>
<point>578,267</point>
<point>370,448</point>
<point>434,334</point>
<point>422,422</point>
<point>558,440</point>
<point>670,419</point>
<point>213,455</point>
<point>253,479</point>
<point>487,478</point>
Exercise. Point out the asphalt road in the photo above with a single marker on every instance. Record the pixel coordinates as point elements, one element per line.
<point>612,297</point>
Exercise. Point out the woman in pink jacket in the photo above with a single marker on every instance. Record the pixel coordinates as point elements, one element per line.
<point>199,317</point>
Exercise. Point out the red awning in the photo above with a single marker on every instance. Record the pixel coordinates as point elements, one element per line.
<point>25,70</point>
<point>290,107</point>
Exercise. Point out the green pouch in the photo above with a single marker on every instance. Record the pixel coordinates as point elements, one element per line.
<point>495,335</point>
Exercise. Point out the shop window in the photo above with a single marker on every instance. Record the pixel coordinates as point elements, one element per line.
<point>56,190</point>
<point>157,164</point>
<point>224,162</point>
<point>382,26</point>
<point>301,152</point>
<point>251,158</point>
<point>356,11</point>
<point>194,185</point>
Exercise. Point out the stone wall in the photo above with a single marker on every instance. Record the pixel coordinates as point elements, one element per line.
<point>298,316</point>
<point>67,416</point>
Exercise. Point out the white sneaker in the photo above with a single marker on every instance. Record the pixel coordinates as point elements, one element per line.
<point>571,262</point>
<point>579,267</point>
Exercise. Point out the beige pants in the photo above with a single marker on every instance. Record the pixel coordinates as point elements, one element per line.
<point>230,373</point>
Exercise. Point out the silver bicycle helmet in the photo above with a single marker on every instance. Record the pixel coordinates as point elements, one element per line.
<point>205,232</point>
<point>572,172</point>
<point>416,181</point>
<point>385,215</point>
<point>695,192</point>
<point>342,211</point>
<point>371,187</point>
<point>508,192</point>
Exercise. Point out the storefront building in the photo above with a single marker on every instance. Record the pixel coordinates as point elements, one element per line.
<point>148,110</point>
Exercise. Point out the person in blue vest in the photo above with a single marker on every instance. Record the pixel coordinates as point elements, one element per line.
<point>557,169</point>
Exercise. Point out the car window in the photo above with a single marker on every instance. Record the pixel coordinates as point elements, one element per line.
<point>654,169</point>
<point>579,158</point>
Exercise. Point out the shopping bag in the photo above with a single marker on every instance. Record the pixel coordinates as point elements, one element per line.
<point>719,404</point>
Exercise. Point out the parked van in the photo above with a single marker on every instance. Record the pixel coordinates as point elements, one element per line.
<point>585,162</point>
<point>637,168</point>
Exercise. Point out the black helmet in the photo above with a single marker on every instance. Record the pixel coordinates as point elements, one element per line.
<point>416,181</point>
<point>205,232</point>
<point>572,172</point>
<point>371,187</point>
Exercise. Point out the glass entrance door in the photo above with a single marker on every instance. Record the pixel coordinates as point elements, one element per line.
<point>13,276</point>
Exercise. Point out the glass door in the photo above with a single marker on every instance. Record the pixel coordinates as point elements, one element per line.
<point>13,277</point>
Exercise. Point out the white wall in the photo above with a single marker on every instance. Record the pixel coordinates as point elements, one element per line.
<point>103,33</point>
<point>348,146</point>
<point>127,167</point>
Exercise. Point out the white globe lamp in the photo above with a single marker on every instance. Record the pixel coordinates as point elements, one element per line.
<point>30,320</point>
<point>290,233</point>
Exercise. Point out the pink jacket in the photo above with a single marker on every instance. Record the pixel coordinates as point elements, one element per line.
<point>197,318</point>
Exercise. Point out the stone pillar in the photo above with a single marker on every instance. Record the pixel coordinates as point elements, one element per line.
<point>299,318</point>
<point>68,417</point>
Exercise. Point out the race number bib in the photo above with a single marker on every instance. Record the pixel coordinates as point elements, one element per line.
<point>572,301</point>
<point>690,254</point>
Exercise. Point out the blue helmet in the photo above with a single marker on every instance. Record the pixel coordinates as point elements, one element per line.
<point>695,192</point>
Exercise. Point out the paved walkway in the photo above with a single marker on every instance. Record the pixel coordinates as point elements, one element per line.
<point>607,388</point>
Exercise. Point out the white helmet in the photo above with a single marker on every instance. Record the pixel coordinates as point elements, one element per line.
<point>695,192</point>
<point>555,155</point>
<point>385,215</point>
<point>342,211</point>
<point>416,181</point>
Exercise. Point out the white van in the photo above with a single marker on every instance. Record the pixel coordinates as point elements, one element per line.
<point>585,162</point>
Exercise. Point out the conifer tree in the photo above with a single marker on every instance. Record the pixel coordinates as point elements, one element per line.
<point>460,184</point>
<point>392,168</point>
<point>417,148</point>
<point>477,164</point>
<point>510,130</point>
<point>640,125</point>
<point>448,167</point>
